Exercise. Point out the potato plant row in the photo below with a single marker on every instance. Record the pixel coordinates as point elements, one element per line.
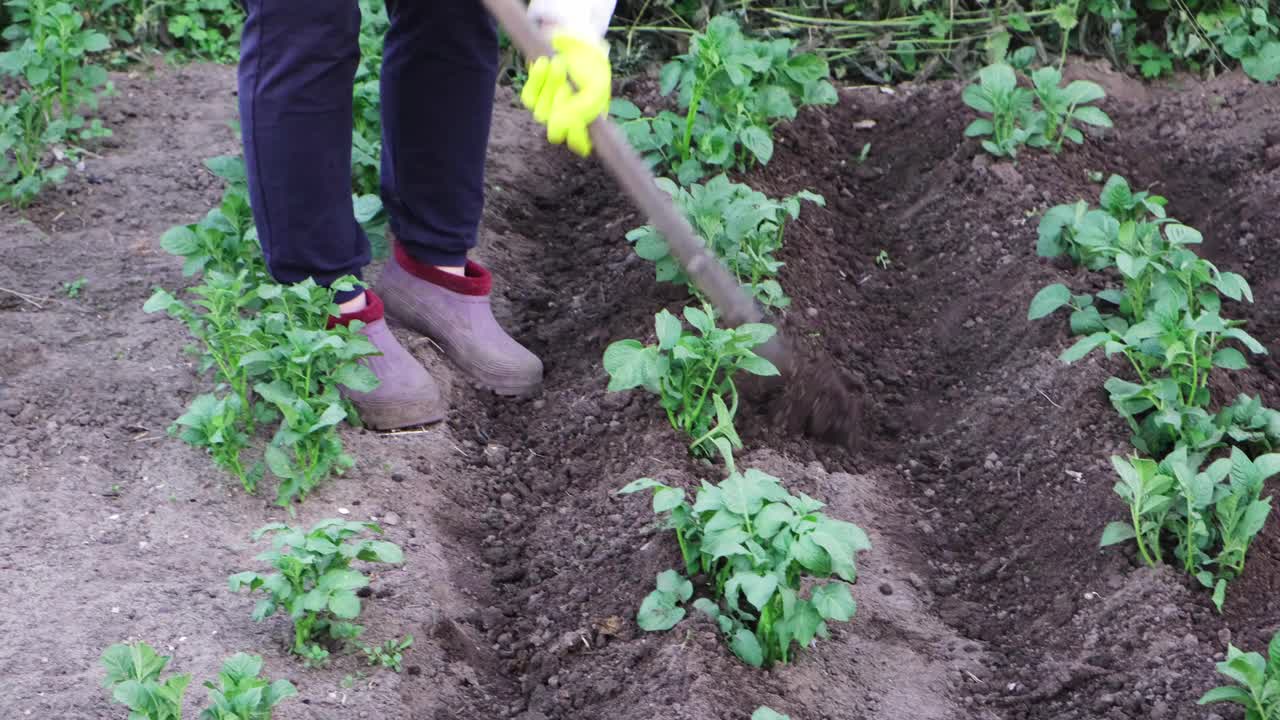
<point>56,54</point>
<point>1195,481</point>
<point>748,542</point>
<point>268,350</point>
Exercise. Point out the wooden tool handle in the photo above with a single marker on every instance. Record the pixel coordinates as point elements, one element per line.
<point>705,270</point>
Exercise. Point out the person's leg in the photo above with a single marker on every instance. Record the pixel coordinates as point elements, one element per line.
<point>438,81</point>
<point>439,73</point>
<point>297,65</point>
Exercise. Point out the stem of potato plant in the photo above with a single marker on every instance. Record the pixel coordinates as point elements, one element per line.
<point>1188,551</point>
<point>764,628</point>
<point>702,399</point>
<point>694,102</point>
<point>689,566</point>
<point>1195,370</point>
<point>1137,527</point>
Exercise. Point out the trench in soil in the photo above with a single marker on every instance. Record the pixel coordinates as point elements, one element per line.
<point>982,475</point>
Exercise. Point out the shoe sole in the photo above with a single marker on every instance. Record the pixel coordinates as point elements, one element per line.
<point>396,417</point>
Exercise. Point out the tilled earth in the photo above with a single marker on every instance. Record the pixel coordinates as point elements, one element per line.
<point>981,470</point>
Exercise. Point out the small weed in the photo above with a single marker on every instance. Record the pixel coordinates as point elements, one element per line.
<point>72,288</point>
<point>863,153</point>
<point>389,654</point>
<point>767,713</point>
<point>882,259</point>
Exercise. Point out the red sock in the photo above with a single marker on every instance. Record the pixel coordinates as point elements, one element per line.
<point>476,281</point>
<point>372,311</point>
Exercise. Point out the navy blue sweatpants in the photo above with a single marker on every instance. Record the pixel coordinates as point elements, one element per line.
<point>298,60</point>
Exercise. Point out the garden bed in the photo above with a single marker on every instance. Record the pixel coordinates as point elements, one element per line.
<point>983,477</point>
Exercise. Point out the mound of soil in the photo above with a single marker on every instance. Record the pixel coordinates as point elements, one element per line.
<point>981,471</point>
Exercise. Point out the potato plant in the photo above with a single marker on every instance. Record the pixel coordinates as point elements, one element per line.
<point>1211,516</point>
<point>133,676</point>
<point>1256,681</point>
<point>997,94</point>
<point>731,90</point>
<point>207,29</point>
<point>314,582</point>
<point>692,373</point>
<point>301,368</point>
<point>741,226</point>
<point>242,694</point>
<point>1062,107</point>
<point>1165,319</point>
<point>754,544</point>
<point>1044,116</point>
<point>1248,422</point>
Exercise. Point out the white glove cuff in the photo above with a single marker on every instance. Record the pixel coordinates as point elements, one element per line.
<point>585,18</point>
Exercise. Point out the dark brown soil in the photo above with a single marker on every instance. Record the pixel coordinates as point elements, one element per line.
<point>981,475</point>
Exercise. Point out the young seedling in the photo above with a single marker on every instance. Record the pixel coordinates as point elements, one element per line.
<point>755,544</point>
<point>997,94</point>
<point>314,582</point>
<point>692,374</point>
<point>72,288</point>
<point>1257,682</point>
<point>133,677</point>
<point>883,260</point>
<point>767,713</point>
<point>240,694</point>
<point>389,654</point>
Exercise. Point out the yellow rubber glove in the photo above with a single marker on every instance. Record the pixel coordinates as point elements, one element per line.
<point>568,110</point>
